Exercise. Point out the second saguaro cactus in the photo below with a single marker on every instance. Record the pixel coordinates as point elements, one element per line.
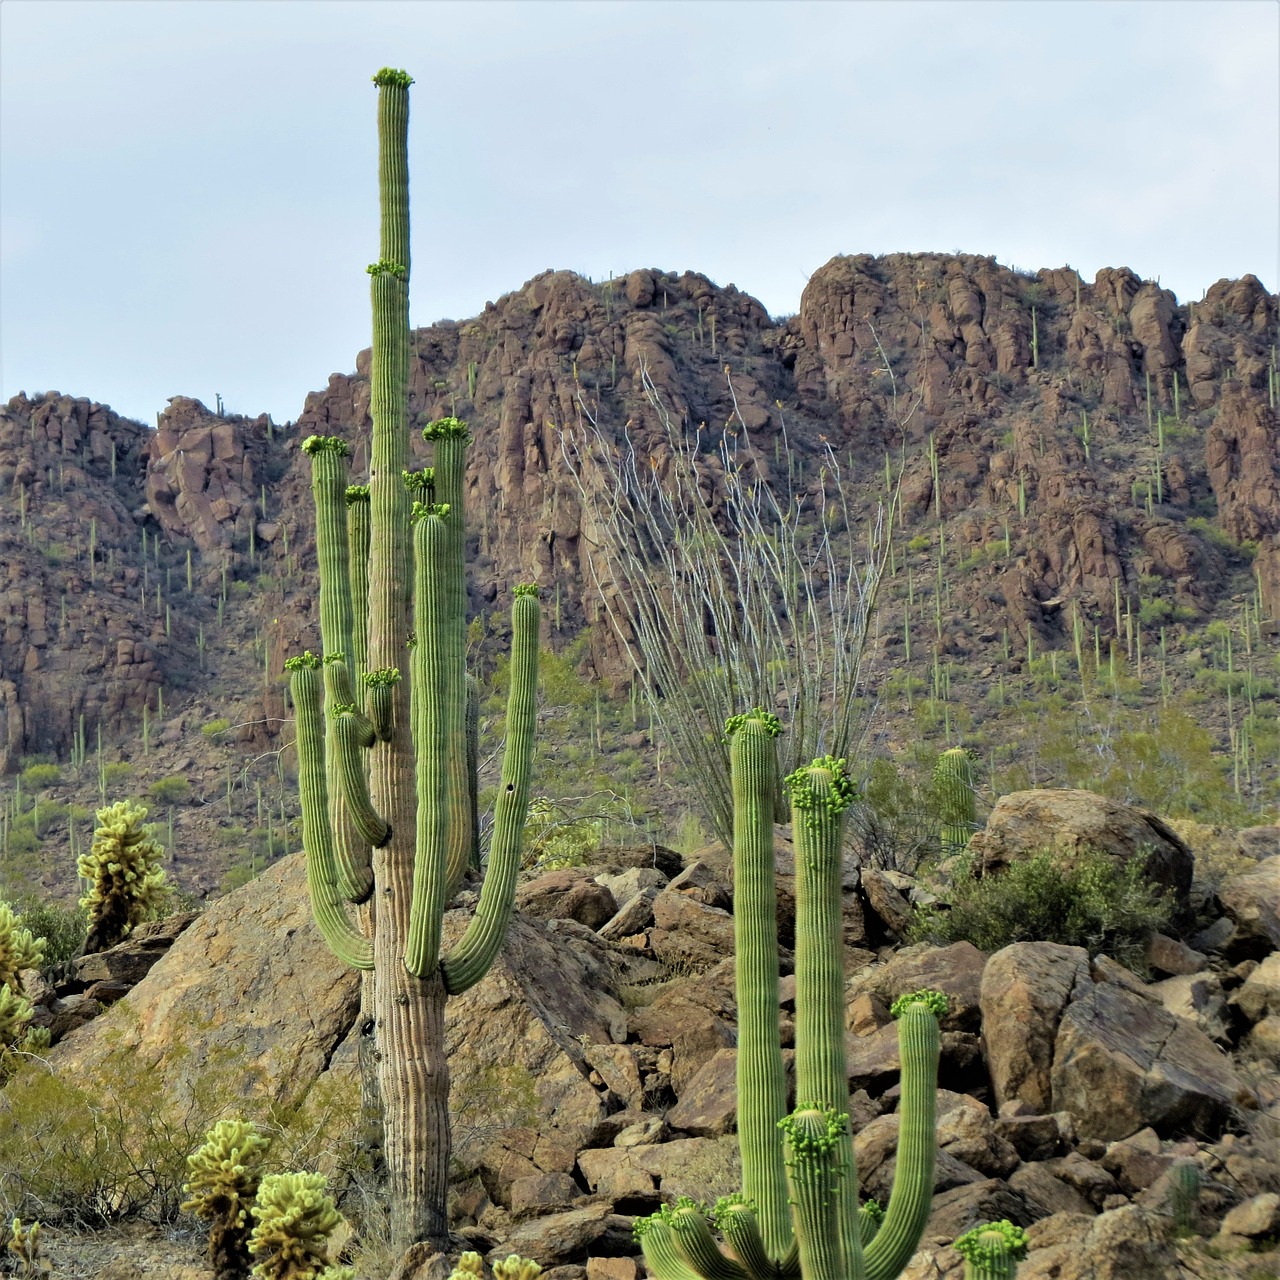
<point>799,1215</point>
<point>385,728</point>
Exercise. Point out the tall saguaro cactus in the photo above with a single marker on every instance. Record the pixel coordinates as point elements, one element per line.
<point>387,764</point>
<point>798,1215</point>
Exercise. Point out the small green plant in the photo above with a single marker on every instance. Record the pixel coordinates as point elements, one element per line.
<point>170,791</point>
<point>37,777</point>
<point>115,773</point>
<point>1086,901</point>
<point>214,729</point>
<point>24,1244</point>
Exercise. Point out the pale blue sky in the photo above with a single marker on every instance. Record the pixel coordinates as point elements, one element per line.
<point>187,189</point>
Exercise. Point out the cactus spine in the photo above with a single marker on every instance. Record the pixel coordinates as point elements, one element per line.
<point>953,779</point>
<point>821,1234</point>
<point>387,765</point>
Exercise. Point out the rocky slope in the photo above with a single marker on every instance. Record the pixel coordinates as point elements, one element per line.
<point>593,1068</point>
<point>176,565</point>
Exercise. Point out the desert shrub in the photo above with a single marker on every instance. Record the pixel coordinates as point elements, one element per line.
<point>1086,901</point>
<point>898,821</point>
<point>214,729</point>
<point>36,777</point>
<point>115,773</point>
<point>483,1104</point>
<point>113,1142</point>
<point>169,791</point>
<point>61,927</point>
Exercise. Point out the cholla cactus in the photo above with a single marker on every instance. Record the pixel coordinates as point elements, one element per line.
<point>123,868</point>
<point>992,1251</point>
<point>24,1244</point>
<point>470,1267</point>
<point>18,948</point>
<point>295,1216</point>
<point>17,1036</point>
<point>954,783</point>
<point>223,1181</point>
<point>798,1215</point>
<point>514,1267</point>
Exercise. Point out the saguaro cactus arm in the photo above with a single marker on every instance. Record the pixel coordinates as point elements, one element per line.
<point>344,940</point>
<point>761,1076</point>
<point>357,498</point>
<point>919,1046</point>
<point>470,959</point>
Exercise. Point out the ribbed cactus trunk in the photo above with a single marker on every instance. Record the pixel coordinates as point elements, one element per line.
<point>387,767</point>
<point>798,1217</point>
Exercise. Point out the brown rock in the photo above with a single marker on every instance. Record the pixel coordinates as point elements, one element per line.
<point>708,1105</point>
<point>612,1269</point>
<point>1036,1137</point>
<point>568,894</point>
<point>542,1192</point>
<point>1046,1193</point>
<point>689,932</point>
<point>700,1167</point>
<point>1129,1243</point>
<point>1258,1217</point>
<point>1172,958</point>
<point>1137,1161</point>
<point>956,971</point>
<point>572,1237</point>
<point>891,908</point>
<point>1025,989</point>
<point>634,916</point>
<point>1199,999</point>
<point>130,961</point>
<point>694,1016</point>
<point>1122,1063</point>
<point>1252,901</point>
<point>1024,822</point>
<point>954,1212</point>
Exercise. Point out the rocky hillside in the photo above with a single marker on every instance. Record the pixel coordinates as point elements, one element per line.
<point>593,1069</point>
<point>1099,461</point>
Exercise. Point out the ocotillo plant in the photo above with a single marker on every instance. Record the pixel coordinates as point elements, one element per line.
<point>388,778</point>
<point>953,780</point>
<point>992,1251</point>
<point>798,1215</point>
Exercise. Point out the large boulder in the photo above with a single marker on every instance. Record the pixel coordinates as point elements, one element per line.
<point>1122,1062</point>
<point>956,971</point>
<point>249,989</point>
<point>569,894</point>
<point>1069,822</point>
<point>1025,989</point>
<point>131,960</point>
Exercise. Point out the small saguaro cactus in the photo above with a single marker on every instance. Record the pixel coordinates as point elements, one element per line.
<point>799,1213</point>
<point>386,730</point>
<point>294,1216</point>
<point>1186,1180</point>
<point>992,1251</point>
<point>953,779</point>
<point>124,873</point>
<point>224,1174</point>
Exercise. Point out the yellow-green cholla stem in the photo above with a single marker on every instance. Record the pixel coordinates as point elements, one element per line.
<point>820,794</point>
<point>816,1170</point>
<point>357,497</point>
<point>470,959</point>
<point>953,779</point>
<point>450,438</point>
<point>382,700</point>
<point>761,1077</point>
<point>317,838</point>
<point>992,1251</point>
<point>919,1047</point>
<point>430,727</point>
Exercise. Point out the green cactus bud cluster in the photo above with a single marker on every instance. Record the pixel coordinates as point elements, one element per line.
<point>992,1251</point>
<point>514,1267</point>
<point>18,948</point>
<point>294,1215</point>
<point>766,720</point>
<point>814,1132</point>
<point>316,446</point>
<point>447,429</point>
<point>934,1001</point>
<point>123,868</point>
<point>387,268</point>
<point>223,1179</point>
<point>389,77</point>
<point>356,494</point>
<point>823,785</point>
<point>420,481</point>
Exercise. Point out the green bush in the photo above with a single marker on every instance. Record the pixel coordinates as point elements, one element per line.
<point>62,928</point>
<point>1085,901</point>
<point>216,728</point>
<point>36,777</point>
<point>171,790</point>
<point>115,773</point>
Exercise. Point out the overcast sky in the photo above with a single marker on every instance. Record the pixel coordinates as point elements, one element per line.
<point>188,187</point>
